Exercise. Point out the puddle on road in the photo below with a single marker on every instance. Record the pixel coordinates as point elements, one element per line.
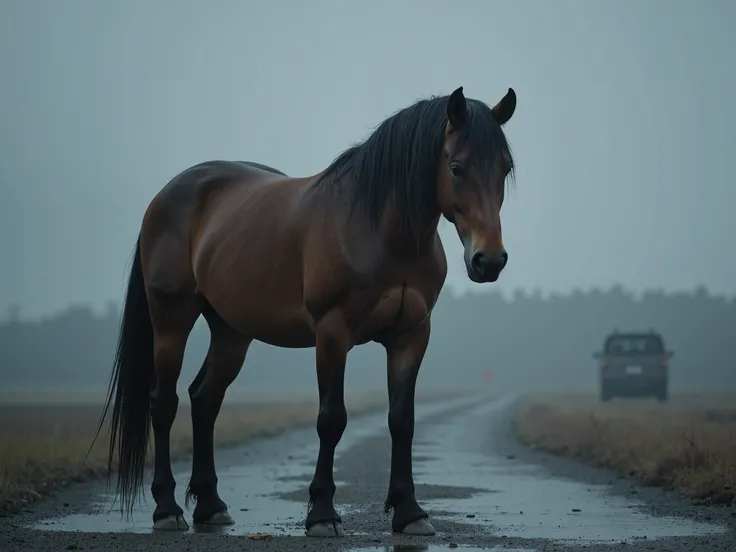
<point>435,548</point>
<point>248,488</point>
<point>524,501</point>
<point>518,500</point>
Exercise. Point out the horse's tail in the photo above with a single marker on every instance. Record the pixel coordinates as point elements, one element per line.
<point>130,384</point>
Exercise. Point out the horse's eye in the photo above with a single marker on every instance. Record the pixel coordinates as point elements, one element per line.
<point>457,170</point>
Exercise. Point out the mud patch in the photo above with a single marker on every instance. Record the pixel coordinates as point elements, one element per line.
<point>436,548</point>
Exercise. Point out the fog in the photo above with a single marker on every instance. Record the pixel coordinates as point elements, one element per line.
<point>621,216</point>
<point>526,343</point>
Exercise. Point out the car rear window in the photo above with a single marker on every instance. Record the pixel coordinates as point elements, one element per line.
<point>634,345</point>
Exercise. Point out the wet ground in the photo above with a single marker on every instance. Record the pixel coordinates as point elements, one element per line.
<point>482,490</point>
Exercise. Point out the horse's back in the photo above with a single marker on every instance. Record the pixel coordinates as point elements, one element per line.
<point>261,166</point>
<point>207,175</point>
<point>185,195</point>
<point>191,202</point>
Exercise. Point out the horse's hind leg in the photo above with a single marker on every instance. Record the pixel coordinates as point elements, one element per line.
<point>224,360</point>
<point>173,315</point>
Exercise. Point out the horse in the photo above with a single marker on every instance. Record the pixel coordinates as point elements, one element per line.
<point>331,261</point>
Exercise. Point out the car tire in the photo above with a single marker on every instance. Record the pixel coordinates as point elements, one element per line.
<point>662,394</point>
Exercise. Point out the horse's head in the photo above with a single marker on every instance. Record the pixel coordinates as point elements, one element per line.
<point>475,163</point>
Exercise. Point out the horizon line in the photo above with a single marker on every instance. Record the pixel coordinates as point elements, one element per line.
<point>508,294</point>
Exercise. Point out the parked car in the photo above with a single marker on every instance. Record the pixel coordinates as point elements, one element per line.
<point>634,364</point>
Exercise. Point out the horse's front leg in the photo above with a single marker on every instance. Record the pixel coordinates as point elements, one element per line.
<point>333,344</point>
<point>404,356</point>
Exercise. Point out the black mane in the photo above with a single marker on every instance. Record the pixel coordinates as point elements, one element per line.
<point>401,158</point>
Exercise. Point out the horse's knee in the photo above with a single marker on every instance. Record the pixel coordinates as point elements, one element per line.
<point>331,422</point>
<point>400,423</point>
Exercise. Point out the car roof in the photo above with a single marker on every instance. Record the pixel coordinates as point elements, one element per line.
<point>649,333</point>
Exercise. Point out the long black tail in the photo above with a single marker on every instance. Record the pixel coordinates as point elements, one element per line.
<point>130,384</point>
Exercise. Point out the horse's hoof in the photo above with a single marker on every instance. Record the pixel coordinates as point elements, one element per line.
<point>171,523</point>
<point>420,527</point>
<point>326,529</point>
<point>220,518</point>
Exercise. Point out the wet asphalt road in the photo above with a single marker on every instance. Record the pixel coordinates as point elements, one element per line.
<point>482,490</point>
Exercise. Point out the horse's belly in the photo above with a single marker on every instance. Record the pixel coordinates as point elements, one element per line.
<point>291,334</point>
<point>282,320</point>
<point>289,328</point>
<point>253,293</point>
<point>274,316</point>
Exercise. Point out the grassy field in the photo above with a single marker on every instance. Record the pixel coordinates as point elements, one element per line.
<point>687,444</point>
<point>42,447</point>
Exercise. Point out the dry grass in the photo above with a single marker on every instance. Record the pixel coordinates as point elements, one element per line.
<point>42,447</point>
<point>688,444</point>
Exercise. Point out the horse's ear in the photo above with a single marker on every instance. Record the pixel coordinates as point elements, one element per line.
<point>504,109</point>
<point>457,109</point>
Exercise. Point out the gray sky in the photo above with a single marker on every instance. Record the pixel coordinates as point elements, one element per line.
<point>622,134</point>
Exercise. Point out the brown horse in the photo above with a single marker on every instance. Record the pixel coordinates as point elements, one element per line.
<point>331,261</point>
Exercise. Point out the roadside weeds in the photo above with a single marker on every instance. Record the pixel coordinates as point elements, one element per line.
<point>688,445</point>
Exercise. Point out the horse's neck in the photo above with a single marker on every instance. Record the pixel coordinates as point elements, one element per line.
<point>396,239</point>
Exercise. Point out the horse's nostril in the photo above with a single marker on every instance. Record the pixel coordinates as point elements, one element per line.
<point>483,263</point>
<point>478,261</point>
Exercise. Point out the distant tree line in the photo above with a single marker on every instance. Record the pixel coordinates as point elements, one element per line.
<point>526,342</point>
